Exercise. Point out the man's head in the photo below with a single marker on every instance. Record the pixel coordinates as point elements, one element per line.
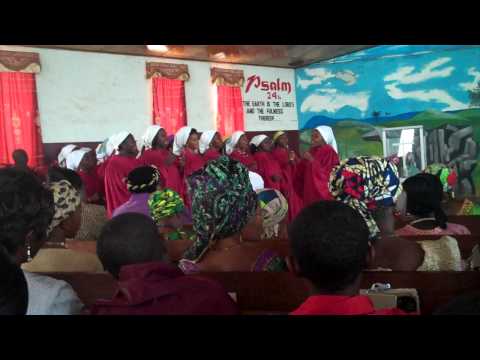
<point>330,245</point>
<point>129,239</point>
<point>20,157</point>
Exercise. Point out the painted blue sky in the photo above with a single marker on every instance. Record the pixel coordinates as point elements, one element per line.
<point>392,79</point>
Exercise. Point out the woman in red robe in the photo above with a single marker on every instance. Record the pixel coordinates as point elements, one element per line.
<point>313,173</point>
<point>237,148</point>
<point>118,168</point>
<point>210,145</point>
<point>288,162</point>
<point>155,153</point>
<point>261,147</point>
<point>88,171</point>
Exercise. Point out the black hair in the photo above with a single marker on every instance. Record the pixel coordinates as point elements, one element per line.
<point>13,287</point>
<point>25,205</point>
<point>143,179</point>
<point>128,239</point>
<point>20,155</point>
<point>424,196</point>
<point>330,243</point>
<point>253,148</point>
<point>56,173</point>
<point>467,304</point>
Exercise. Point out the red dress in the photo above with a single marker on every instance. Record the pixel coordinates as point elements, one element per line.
<point>92,183</point>
<point>193,162</point>
<point>211,154</point>
<point>288,175</point>
<point>267,167</point>
<point>244,158</point>
<point>312,177</point>
<point>117,170</point>
<point>101,175</point>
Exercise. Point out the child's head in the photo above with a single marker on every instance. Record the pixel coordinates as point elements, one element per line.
<point>330,245</point>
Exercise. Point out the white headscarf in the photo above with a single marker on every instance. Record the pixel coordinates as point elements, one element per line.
<point>205,140</point>
<point>75,157</point>
<point>116,140</point>
<point>327,134</point>
<point>233,141</point>
<point>62,156</point>
<point>257,140</point>
<point>181,139</point>
<point>256,180</point>
<point>147,138</point>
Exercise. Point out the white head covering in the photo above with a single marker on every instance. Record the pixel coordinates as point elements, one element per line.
<point>257,140</point>
<point>327,134</point>
<point>147,138</point>
<point>181,138</point>
<point>75,157</point>
<point>205,140</point>
<point>116,140</point>
<point>256,180</point>
<point>62,156</point>
<point>233,141</point>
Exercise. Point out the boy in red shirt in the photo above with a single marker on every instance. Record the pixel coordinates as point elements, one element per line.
<point>330,247</point>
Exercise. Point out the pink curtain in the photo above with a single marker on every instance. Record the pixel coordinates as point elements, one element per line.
<point>230,116</point>
<point>169,109</point>
<point>19,124</point>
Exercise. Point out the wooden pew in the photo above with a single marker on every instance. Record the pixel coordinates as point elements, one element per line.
<point>471,222</point>
<point>280,293</point>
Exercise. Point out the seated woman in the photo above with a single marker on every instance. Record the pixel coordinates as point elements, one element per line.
<point>27,210</point>
<point>141,182</point>
<point>424,194</point>
<point>371,186</point>
<point>274,209</point>
<point>223,207</point>
<point>54,256</point>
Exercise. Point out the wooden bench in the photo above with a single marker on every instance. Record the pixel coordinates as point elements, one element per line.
<point>471,222</point>
<point>280,293</point>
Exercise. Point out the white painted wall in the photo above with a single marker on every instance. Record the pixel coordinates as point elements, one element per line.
<point>86,96</point>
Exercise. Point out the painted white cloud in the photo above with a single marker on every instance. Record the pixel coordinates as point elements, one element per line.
<point>332,101</point>
<point>406,74</point>
<point>392,56</point>
<point>319,75</point>
<point>476,79</point>
<point>433,95</point>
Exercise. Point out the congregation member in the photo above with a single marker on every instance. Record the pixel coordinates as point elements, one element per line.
<point>155,153</point>
<point>274,209</point>
<point>268,168</point>
<point>13,287</point>
<point>118,168</point>
<point>238,149</point>
<point>331,247</point>
<point>210,145</point>
<point>148,284</point>
<point>64,152</point>
<point>313,172</point>
<point>424,194</point>
<point>141,182</point>
<point>20,159</point>
<point>371,186</point>
<point>28,210</point>
<point>287,159</point>
<point>224,206</point>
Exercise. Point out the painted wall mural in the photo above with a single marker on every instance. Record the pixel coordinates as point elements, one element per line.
<point>433,86</point>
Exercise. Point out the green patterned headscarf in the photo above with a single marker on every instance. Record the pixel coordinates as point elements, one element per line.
<point>165,203</point>
<point>447,176</point>
<point>223,202</point>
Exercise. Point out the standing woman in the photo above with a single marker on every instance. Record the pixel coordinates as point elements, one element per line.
<point>210,145</point>
<point>84,162</point>
<point>313,173</point>
<point>62,155</point>
<point>288,162</point>
<point>104,152</point>
<point>237,148</point>
<point>155,153</point>
<point>261,147</point>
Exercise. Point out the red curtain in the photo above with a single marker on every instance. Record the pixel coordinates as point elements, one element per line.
<point>169,109</point>
<point>230,116</point>
<point>19,124</point>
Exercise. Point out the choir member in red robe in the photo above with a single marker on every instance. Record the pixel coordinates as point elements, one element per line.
<point>118,168</point>
<point>104,152</point>
<point>84,162</point>
<point>261,147</point>
<point>155,153</point>
<point>210,145</point>
<point>287,160</point>
<point>238,149</point>
<point>313,173</point>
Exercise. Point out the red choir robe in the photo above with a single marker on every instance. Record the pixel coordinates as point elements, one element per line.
<point>267,166</point>
<point>170,173</point>
<point>311,178</point>
<point>117,170</point>
<point>288,175</point>
<point>193,162</point>
<point>211,154</point>
<point>101,175</point>
<point>92,183</point>
<point>244,158</point>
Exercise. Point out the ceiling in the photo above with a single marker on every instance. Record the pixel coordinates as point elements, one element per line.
<point>290,56</point>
